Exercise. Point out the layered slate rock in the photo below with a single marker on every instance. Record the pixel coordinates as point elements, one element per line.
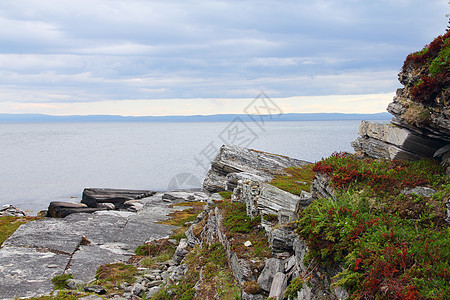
<point>60,209</point>
<point>11,211</point>
<point>393,142</point>
<point>234,159</point>
<point>93,197</point>
<point>77,244</point>
<point>421,109</point>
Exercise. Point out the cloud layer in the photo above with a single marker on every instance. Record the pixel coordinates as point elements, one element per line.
<point>86,51</point>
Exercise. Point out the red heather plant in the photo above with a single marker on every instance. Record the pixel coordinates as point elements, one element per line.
<point>428,53</point>
<point>435,57</point>
<point>382,176</point>
<point>384,255</point>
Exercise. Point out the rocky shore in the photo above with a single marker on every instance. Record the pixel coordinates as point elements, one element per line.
<point>370,225</point>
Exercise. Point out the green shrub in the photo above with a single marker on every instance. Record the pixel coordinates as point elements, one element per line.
<point>225,194</point>
<point>392,246</point>
<point>60,281</point>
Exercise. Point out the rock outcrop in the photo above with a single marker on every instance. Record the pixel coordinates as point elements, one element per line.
<point>93,197</point>
<point>11,211</point>
<point>421,124</point>
<point>256,164</point>
<point>77,244</point>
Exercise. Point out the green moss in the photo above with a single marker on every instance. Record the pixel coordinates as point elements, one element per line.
<point>240,228</point>
<point>60,281</point>
<point>293,288</point>
<point>296,180</point>
<point>226,194</point>
<point>112,275</point>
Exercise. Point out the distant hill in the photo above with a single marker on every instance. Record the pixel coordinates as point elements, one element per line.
<point>29,118</point>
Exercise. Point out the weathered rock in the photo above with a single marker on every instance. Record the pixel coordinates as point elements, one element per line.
<point>419,190</point>
<point>321,188</point>
<point>98,289</point>
<point>240,267</point>
<point>11,211</point>
<point>235,159</point>
<point>264,198</point>
<point>59,209</point>
<point>448,212</point>
<point>272,267</point>
<point>393,142</point>
<point>75,284</point>
<point>91,297</point>
<point>181,251</point>
<point>279,285</point>
<point>77,244</point>
<point>93,196</point>
<point>281,239</point>
<point>138,290</point>
<point>181,196</point>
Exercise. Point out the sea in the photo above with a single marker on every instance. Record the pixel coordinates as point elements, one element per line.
<point>44,162</point>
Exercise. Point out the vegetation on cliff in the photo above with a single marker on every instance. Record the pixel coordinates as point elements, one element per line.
<point>433,65</point>
<point>392,243</point>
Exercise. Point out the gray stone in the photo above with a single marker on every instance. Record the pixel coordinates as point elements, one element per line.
<point>181,196</point>
<point>281,239</point>
<point>235,159</point>
<point>98,289</point>
<point>401,138</point>
<point>279,285</point>
<point>106,205</point>
<point>59,209</point>
<point>448,212</point>
<point>420,190</point>
<point>41,249</point>
<point>320,187</point>
<point>92,255</point>
<point>138,290</point>
<point>75,284</point>
<point>181,251</point>
<point>24,271</point>
<point>93,196</point>
<point>272,267</point>
<point>11,211</point>
<point>152,292</point>
<point>91,297</point>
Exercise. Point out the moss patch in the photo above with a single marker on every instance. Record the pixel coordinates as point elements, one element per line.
<point>111,276</point>
<point>240,228</point>
<point>296,180</point>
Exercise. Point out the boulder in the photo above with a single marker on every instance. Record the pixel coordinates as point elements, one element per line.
<point>278,287</point>
<point>93,196</point>
<point>235,159</point>
<point>394,142</point>
<point>181,251</point>
<point>271,268</point>
<point>60,209</point>
<point>11,211</point>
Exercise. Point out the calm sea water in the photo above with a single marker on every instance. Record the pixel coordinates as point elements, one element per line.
<point>43,162</point>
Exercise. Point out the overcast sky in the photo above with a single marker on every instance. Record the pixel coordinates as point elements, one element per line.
<point>143,57</point>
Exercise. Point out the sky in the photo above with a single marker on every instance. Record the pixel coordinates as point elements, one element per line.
<point>144,57</point>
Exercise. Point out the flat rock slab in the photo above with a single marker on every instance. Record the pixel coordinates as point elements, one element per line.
<point>27,272</point>
<point>77,244</point>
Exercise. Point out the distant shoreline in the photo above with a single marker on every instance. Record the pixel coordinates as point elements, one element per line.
<point>41,118</point>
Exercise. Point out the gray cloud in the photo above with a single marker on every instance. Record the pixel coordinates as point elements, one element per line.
<point>90,50</point>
